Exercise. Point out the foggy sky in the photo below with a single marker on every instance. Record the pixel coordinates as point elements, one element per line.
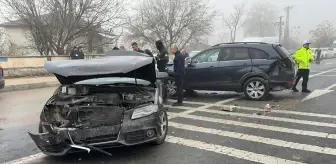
<point>306,13</point>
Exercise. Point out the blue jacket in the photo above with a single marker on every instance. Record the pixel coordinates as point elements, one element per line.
<point>179,63</point>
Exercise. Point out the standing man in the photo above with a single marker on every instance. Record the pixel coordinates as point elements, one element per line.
<point>179,74</point>
<point>304,56</point>
<point>81,53</point>
<point>136,48</point>
<point>74,54</point>
<point>185,53</point>
<point>318,55</point>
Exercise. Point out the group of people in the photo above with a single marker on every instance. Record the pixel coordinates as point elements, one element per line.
<point>162,60</point>
<point>77,53</point>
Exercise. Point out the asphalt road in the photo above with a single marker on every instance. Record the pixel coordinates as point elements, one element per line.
<point>294,131</point>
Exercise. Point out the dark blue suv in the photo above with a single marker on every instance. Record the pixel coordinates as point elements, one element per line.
<point>250,67</point>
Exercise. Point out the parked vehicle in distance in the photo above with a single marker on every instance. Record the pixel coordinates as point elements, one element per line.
<point>103,103</point>
<point>2,78</point>
<point>255,68</point>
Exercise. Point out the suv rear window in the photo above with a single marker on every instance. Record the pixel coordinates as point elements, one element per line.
<point>282,51</point>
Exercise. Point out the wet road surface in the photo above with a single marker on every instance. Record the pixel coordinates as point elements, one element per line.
<point>200,132</point>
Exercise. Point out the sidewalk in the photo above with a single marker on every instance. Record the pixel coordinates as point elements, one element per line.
<point>29,83</point>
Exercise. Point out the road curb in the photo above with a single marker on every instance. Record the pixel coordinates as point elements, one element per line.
<point>12,88</point>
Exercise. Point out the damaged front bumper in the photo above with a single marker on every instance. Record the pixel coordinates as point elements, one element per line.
<point>61,141</point>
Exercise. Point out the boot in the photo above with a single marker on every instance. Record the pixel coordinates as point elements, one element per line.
<point>295,90</point>
<point>305,90</point>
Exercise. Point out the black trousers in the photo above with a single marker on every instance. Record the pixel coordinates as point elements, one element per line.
<point>304,73</point>
<point>179,80</point>
<point>318,59</point>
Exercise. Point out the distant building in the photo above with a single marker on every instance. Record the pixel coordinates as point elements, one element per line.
<point>19,43</point>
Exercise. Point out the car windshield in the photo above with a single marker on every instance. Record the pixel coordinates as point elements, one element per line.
<point>193,53</point>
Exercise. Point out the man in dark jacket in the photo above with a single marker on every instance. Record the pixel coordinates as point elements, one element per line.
<point>179,74</point>
<point>75,54</point>
<point>162,57</point>
<point>136,48</point>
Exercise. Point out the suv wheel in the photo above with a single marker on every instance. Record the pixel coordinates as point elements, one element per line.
<point>171,87</point>
<point>256,88</point>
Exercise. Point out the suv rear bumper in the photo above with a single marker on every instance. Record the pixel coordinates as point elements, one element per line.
<point>2,83</point>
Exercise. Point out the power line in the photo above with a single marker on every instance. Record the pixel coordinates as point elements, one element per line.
<point>280,24</point>
<point>286,33</point>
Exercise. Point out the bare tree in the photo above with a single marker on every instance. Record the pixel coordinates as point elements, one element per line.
<point>260,20</point>
<point>54,25</point>
<point>235,20</point>
<point>179,22</point>
<point>324,34</point>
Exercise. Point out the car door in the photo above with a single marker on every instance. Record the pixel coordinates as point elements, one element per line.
<point>234,63</point>
<point>199,71</point>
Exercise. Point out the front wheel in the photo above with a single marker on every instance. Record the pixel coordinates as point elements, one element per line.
<point>171,87</point>
<point>256,89</point>
<point>162,133</point>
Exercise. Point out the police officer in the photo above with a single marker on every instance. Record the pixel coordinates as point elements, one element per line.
<point>179,74</point>
<point>304,56</point>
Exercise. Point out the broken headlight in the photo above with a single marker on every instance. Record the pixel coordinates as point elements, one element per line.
<point>144,111</point>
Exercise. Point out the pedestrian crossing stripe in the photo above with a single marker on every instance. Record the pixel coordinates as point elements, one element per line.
<point>269,141</point>
<point>258,109</point>
<point>305,122</point>
<point>237,153</point>
<point>261,126</point>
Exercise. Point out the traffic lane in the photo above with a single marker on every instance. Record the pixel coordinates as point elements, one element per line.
<point>19,113</point>
<point>15,142</point>
<point>167,153</point>
<point>324,104</point>
<point>22,107</point>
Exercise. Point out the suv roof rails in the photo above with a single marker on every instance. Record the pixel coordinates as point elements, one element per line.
<point>240,43</point>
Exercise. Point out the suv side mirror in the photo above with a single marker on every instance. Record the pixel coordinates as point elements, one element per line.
<point>187,61</point>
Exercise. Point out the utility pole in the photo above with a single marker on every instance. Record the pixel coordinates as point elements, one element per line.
<point>280,24</point>
<point>286,33</point>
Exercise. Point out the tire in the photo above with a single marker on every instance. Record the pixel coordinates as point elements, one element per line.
<point>161,135</point>
<point>171,87</point>
<point>256,88</point>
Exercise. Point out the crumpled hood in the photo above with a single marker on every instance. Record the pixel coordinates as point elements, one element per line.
<point>72,71</point>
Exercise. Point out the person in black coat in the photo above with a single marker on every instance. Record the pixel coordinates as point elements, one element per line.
<point>75,54</point>
<point>136,48</point>
<point>179,74</point>
<point>162,57</point>
<point>148,52</point>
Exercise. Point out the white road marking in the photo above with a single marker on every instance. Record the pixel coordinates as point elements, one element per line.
<point>261,126</point>
<point>242,154</point>
<point>282,111</point>
<point>26,159</point>
<point>322,72</point>
<point>319,92</point>
<point>191,110</point>
<point>282,119</point>
<point>327,75</point>
<point>269,141</point>
<point>305,122</point>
